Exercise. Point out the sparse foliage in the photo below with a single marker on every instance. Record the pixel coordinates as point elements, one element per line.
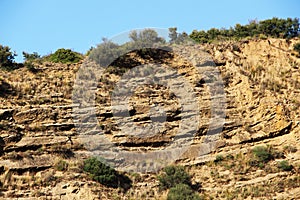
<point>61,165</point>
<point>146,37</point>
<point>107,52</point>
<point>290,149</point>
<point>173,34</point>
<point>175,37</point>
<point>31,56</point>
<point>7,58</point>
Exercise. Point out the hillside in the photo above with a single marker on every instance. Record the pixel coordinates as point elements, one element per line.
<point>42,154</point>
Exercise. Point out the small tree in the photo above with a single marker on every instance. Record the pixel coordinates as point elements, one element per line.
<point>29,59</point>
<point>175,37</point>
<point>173,34</point>
<point>133,35</point>
<point>105,53</point>
<point>150,36</point>
<point>7,58</point>
<point>31,56</point>
<point>144,38</point>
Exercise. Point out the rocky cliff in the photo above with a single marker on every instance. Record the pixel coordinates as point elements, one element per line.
<point>42,153</point>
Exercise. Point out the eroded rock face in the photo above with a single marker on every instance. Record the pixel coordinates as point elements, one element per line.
<point>38,129</point>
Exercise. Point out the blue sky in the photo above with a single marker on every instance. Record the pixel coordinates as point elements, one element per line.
<point>43,26</point>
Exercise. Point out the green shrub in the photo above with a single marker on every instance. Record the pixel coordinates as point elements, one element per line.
<point>285,166</point>
<point>173,175</point>
<point>61,165</point>
<point>182,192</point>
<point>219,158</point>
<point>297,47</point>
<point>262,153</point>
<point>101,172</point>
<point>105,174</point>
<point>65,56</point>
<point>7,58</point>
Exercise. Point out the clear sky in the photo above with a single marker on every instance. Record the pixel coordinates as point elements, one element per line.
<point>43,26</point>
